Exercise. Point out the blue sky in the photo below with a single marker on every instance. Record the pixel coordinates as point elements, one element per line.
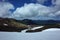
<point>30,9</point>
<point>19,3</point>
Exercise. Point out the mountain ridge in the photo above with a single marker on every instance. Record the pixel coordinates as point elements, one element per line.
<point>13,25</point>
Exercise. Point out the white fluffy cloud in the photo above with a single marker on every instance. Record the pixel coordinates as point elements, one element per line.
<point>5,9</point>
<point>57,2</point>
<point>38,11</point>
<point>30,11</point>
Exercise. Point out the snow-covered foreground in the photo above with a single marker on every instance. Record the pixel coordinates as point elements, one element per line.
<point>50,34</point>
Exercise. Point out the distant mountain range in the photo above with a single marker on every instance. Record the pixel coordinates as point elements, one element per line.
<point>40,22</point>
<point>31,22</point>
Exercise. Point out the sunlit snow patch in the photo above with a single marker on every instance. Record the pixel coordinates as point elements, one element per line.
<point>52,29</point>
<point>5,24</point>
<point>37,27</point>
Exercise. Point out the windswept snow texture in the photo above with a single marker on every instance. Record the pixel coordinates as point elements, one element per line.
<point>49,34</point>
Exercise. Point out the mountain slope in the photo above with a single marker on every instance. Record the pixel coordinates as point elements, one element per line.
<point>7,24</point>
